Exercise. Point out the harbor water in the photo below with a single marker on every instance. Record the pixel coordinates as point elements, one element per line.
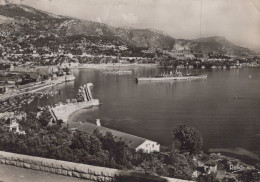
<point>225,107</point>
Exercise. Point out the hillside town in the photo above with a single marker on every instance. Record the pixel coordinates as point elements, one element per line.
<point>53,59</point>
<point>42,50</point>
<point>27,40</point>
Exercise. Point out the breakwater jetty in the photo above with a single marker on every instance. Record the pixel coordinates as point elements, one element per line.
<point>84,101</point>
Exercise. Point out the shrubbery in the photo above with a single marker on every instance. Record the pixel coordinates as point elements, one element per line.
<point>189,138</point>
<point>58,142</point>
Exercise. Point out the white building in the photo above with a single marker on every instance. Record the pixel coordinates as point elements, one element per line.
<point>11,123</point>
<point>69,65</point>
<point>134,142</point>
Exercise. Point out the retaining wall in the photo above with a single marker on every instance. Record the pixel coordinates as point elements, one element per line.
<point>92,173</point>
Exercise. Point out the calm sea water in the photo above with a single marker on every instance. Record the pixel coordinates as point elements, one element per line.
<point>152,110</point>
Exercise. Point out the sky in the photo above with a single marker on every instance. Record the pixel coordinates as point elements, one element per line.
<point>236,20</point>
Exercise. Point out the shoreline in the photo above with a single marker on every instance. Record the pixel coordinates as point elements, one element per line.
<point>113,65</point>
<point>31,90</point>
<point>74,115</point>
<point>148,65</point>
<point>241,154</point>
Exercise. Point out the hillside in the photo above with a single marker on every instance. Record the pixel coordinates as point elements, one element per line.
<point>213,45</point>
<point>43,21</point>
<point>24,20</point>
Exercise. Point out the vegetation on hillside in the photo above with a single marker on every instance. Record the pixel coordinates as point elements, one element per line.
<point>57,142</point>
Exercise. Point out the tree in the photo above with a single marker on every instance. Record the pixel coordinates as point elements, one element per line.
<point>182,164</point>
<point>249,175</point>
<point>189,138</point>
<point>95,146</point>
<point>81,140</point>
<point>44,119</point>
<point>154,165</point>
<point>206,178</point>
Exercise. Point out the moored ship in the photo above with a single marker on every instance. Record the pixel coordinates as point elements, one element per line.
<point>118,72</point>
<point>69,78</point>
<point>169,77</point>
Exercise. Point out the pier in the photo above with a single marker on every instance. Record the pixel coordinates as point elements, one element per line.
<point>84,101</point>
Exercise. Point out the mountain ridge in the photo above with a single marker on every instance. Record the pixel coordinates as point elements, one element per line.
<point>147,38</point>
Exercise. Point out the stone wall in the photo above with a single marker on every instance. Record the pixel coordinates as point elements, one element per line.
<point>92,173</point>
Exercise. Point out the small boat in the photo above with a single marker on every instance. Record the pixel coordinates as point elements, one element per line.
<point>69,78</point>
<point>118,72</point>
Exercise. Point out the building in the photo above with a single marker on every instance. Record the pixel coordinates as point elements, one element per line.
<point>210,167</point>
<point>7,89</point>
<point>124,61</point>
<point>52,69</point>
<point>22,68</point>
<point>180,54</point>
<point>134,142</point>
<point>122,48</point>
<point>69,65</point>
<point>189,56</point>
<point>2,90</point>
<point>11,124</point>
<point>11,121</point>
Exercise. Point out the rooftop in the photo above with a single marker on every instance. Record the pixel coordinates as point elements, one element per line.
<point>74,125</point>
<point>131,140</point>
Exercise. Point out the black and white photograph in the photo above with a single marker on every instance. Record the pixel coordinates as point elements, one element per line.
<point>129,90</point>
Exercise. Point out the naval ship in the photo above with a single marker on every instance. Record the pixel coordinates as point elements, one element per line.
<point>169,77</point>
